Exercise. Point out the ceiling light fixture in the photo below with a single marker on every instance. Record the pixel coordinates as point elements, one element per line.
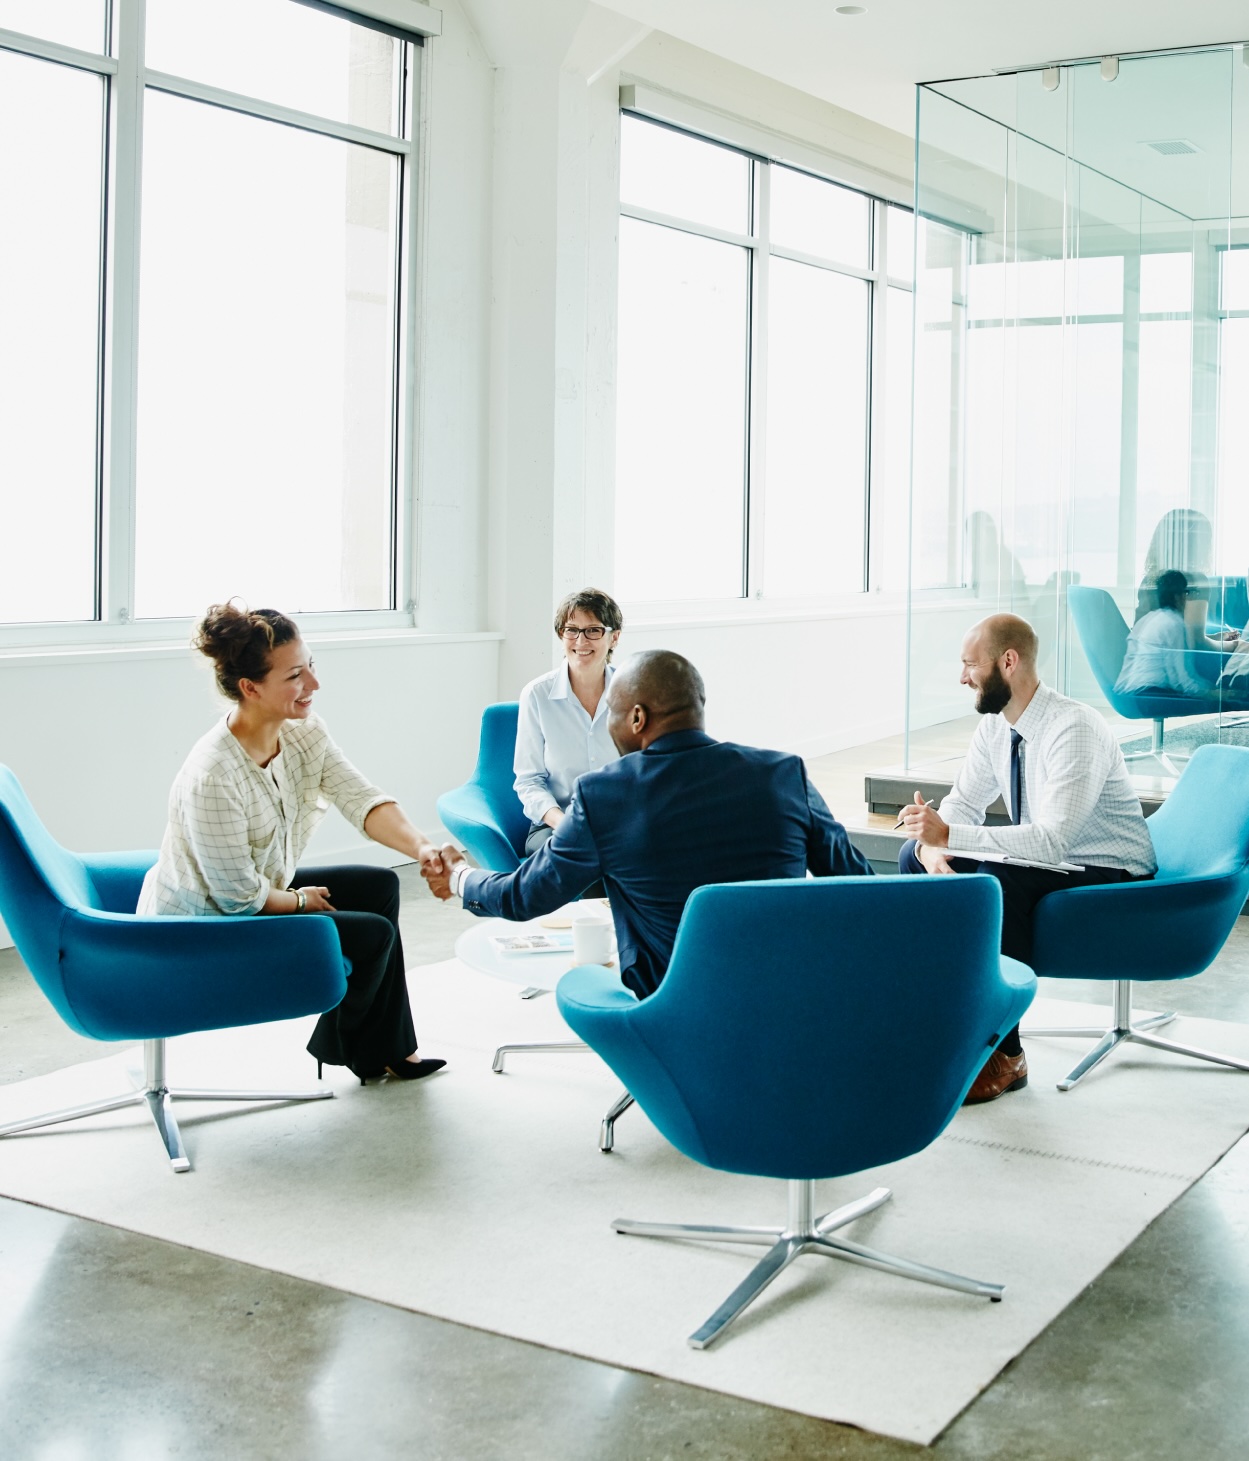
<point>851,10</point>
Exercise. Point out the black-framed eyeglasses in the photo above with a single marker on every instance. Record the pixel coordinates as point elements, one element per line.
<point>596,631</point>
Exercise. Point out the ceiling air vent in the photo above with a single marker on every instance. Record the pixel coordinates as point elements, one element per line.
<point>1174,147</point>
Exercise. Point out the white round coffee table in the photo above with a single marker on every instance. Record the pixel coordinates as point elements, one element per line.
<point>536,974</point>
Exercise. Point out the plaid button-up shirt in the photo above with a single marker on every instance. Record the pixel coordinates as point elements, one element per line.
<point>237,830</point>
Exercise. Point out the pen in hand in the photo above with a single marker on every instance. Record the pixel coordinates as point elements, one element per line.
<point>898,824</point>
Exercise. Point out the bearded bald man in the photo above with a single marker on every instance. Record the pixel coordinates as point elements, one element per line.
<point>1057,766</point>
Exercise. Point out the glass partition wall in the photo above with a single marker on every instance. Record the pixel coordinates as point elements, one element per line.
<point>1081,393</point>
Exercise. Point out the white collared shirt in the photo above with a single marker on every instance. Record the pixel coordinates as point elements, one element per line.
<point>236,830</point>
<point>557,741</point>
<point>1078,803</point>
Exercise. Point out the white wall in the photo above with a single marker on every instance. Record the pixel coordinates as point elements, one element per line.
<point>455,306</point>
<point>808,685</point>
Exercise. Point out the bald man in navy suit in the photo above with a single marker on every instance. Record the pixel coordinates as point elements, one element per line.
<point>678,810</point>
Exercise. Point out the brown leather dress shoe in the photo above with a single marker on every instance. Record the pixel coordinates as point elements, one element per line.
<point>1001,1073</point>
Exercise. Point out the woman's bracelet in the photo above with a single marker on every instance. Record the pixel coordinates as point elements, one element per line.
<point>301,899</point>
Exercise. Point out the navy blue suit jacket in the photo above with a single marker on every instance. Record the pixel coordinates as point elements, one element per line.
<point>657,824</point>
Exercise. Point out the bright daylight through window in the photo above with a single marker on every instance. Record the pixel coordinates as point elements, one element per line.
<point>202,355</point>
<point>763,377</point>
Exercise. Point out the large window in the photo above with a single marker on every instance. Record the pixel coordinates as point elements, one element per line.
<point>1233,445</point>
<point>1010,346</point>
<point>207,208</point>
<point>763,400</point>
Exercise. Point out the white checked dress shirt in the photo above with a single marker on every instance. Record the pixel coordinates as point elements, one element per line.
<point>237,830</point>
<point>557,741</point>
<point>1078,804</point>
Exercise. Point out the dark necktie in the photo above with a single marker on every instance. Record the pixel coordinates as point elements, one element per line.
<point>1016,779</point>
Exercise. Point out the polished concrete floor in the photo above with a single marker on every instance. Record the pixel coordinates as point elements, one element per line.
<point>115,1347</point>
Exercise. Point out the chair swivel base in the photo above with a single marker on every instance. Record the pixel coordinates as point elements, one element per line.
<point>159,1099</point>
<point>1125,1030</point>
<point>805,1233</point>
<point>607,1130</point>
<point>1165,759</point>
<point>501,1054</point>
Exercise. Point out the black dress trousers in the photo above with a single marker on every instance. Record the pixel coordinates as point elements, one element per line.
<point>1022,889</point>
<point>372,1027</point>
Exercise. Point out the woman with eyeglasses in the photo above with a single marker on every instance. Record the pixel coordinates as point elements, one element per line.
<point>563,715</point>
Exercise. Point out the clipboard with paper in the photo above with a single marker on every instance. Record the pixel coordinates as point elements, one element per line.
<point>1005,857</point>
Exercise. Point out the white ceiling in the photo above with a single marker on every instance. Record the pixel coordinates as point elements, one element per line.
<point>870,63</point>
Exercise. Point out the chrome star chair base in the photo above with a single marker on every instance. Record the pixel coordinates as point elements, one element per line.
<point>804,1233</point>
<point>1125,1030</point>
<point>157,1096</point>
<point>1171,762</point>
<point>607,1128</point>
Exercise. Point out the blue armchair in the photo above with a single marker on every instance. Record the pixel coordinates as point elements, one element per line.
<point>1170,928</point>
<point>1228,604</point>
<point>114,976</point>
<point>765,1050</point>
<point>485,813</point>
<point>1103,633</point>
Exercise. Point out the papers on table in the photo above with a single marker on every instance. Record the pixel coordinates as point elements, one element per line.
<point>532,943</point>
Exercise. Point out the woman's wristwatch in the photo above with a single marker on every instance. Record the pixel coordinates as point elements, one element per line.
<point>301,899</point>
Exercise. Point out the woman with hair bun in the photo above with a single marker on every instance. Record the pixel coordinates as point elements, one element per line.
<point>241,811</point>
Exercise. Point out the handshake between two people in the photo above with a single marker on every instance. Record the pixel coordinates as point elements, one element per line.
<point>437,864</point>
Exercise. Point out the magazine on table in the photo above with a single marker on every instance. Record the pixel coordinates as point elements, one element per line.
<point>554,942</point>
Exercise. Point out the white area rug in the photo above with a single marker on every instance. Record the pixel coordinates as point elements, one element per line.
<point>483,1199</point>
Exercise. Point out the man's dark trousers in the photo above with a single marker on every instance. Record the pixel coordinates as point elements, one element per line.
<point>1022,889</point>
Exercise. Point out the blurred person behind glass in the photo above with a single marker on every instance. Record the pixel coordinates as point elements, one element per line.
<point>1183,542</point>
<point>1157,655</point>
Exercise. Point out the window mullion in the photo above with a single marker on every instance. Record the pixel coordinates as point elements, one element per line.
<point>878,305</point>
<point>25,45</point>
<point>408,431</point>
<point>121,314</point>
<point>757,404</point>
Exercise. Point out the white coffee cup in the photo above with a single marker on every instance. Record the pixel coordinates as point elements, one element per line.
<point>592,941</point>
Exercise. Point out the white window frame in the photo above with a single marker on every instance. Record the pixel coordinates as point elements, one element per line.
<point>127,81</point>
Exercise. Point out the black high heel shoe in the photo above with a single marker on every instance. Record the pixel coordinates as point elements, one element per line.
<point>413,1070</point>
<point>404,1070</point>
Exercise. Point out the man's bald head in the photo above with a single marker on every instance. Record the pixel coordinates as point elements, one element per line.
<point>1000,632</point>
<point>999,664</point>
<point>652,694</point>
